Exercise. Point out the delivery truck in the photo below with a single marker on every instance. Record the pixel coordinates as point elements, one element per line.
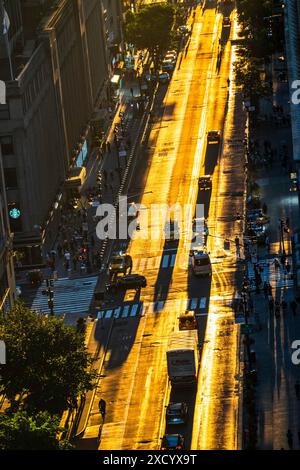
<point>183,358</point>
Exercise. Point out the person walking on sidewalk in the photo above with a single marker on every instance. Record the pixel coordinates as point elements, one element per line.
<point>271,305</point>
<point>267,243</point>
<point>237,247</point>
<point>74,262</point>
<point>266,289</point>
<point>289,436</point>
<point>293,305</point>
<point>297,389</point>
<point>277,309</point>
<point>276,264</point>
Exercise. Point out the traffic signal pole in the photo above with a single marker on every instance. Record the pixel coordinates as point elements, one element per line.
<point>49,292</point>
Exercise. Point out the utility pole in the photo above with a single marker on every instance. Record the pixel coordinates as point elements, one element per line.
<point>50,294</point>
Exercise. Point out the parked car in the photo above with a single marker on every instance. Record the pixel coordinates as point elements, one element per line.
<point>130,281</point>
<point>171,55</point>
<point>226,21</point>
<point>163,77</point>
<point>177,413</point>
<point>213,136</point>
<point>168,65</point>
<point>205,182</point>
<point>172,442</point>
<point>184,29</point>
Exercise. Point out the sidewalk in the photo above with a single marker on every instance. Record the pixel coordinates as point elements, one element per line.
<point>277,406</point>
<point>77,231</point>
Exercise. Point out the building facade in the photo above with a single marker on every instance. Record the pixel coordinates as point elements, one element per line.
<point>7,278</point>
<point>62,63</point>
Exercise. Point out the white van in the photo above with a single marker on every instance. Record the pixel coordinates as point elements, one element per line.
<point>201,264</point>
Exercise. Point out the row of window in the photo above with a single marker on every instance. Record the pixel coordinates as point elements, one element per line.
<point>7,146</point>
<point>34,87</point>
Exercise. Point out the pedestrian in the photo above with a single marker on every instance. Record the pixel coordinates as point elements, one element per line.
<point>74,262</point>
<point>297,389</point>
<point>289,436</point>
<point>293,306</point>
<point>102,407</point>
<point>270,289</point>
<point>92,241</point>
<point>67,265</point>
<point>267,243</point>
<point>276,264</point>
<point>287,269</point>
<point>287,222</point>
<point>265,208</point>
<point>284,306</point>
<point>266,288</point>
<point>271,305</point>
<point>131,91</point>
<point>82,268</point>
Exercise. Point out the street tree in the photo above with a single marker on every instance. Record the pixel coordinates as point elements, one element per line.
<point>47,365</point>
<point>248,78</point>
<point>151,28</point>
<point>22,431</point>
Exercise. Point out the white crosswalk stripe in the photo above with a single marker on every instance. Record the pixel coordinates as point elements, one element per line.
<point>71,296</point>
<point>138,309</point>
<point>166,261</point>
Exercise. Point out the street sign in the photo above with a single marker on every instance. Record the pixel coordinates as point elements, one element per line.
<point>247,329</point>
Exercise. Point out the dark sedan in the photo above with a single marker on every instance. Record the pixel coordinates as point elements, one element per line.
<point>131,281</point>
<point>177,413</point>
<point>172,442</point>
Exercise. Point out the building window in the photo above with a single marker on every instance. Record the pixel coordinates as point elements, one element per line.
<point>7,145</point>
<point>11,179</point>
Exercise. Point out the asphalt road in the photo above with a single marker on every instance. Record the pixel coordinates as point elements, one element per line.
<point>134,379</point>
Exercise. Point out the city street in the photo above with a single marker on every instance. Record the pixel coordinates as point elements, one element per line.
<point>134,379</point>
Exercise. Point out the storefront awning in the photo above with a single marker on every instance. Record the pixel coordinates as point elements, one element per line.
<point>115,79</point>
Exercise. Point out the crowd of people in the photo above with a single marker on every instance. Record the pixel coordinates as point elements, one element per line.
<point>264,154</point>
<point>75,245</point>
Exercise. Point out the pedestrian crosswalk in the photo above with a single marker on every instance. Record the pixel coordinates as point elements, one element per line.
<point>142,308</point>
<point>277,277</point>
<point>71,296</point>
<point>165,261</point>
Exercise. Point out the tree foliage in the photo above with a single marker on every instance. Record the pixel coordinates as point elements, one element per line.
<point>253,16</point>
<point>22,431</point>
<point>151,28</point>
<point>47,364</point>
<point>248,77</point>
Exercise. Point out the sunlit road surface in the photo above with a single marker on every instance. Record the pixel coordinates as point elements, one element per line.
<point>134,382</point>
